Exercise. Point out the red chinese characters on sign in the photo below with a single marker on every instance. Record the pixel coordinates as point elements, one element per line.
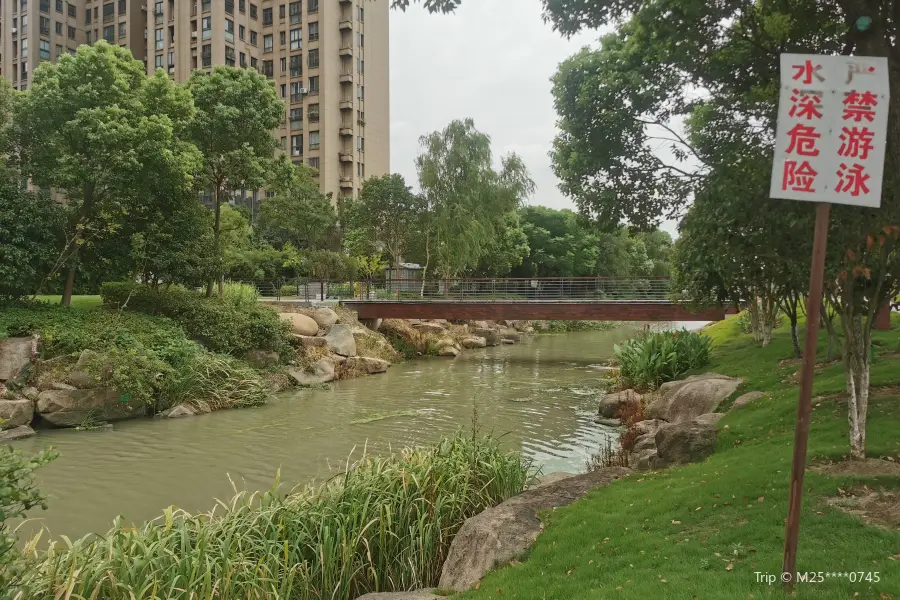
<point>803,140</point>
<point>807,71</point>
<point>856,142</point>
<point>806,105</point>
<point>798,177</point>
<point>852,179</point>
<point>860,106</point>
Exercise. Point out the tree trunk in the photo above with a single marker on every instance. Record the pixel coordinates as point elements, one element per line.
<point>217,235</point>
<point>767,315</point>
<point>427,260</point>
<point>755,328</point>
<point>795,340</point>
<point>87,205</point>
<point>70,281</point>
<point>856,363</point>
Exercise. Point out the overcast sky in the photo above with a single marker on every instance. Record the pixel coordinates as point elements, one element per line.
<point>492,60</point>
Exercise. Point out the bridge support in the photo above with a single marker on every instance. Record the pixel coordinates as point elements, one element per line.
<point>371,323</point>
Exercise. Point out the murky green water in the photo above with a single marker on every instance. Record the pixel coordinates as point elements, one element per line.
<point>540,395</point>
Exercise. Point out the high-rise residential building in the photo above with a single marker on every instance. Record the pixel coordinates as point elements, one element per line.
<point>328,61</point>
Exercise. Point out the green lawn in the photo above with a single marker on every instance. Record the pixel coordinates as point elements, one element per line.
<point>702,531</point>
<point>77,301</point>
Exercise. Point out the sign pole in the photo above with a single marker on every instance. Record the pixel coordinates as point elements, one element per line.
<point>804,404</point>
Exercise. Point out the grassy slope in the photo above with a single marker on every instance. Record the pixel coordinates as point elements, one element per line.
<point>673,534</point>
<point>77,301</point>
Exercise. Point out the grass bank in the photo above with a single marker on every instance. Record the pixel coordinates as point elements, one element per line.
<point>385,524</point>
<point>705,530</point>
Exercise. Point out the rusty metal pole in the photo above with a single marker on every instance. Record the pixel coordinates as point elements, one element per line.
<point>804,404</point>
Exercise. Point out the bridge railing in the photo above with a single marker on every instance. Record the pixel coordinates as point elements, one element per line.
<point>535,289</point>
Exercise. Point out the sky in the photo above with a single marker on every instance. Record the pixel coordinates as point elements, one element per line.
<point>492,61</point>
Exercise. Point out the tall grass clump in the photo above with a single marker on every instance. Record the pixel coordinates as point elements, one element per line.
<point>384,525</point>
<point>653,358</point>
<point>241,295</point>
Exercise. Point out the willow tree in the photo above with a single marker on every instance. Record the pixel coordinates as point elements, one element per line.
<point>465,198</point>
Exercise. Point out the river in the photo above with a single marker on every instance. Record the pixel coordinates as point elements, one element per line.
<point>539,395</point>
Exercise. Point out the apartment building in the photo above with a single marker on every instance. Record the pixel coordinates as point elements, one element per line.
<point>328,60</point>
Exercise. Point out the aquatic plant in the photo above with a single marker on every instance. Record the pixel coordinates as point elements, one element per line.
<point>653,358</point>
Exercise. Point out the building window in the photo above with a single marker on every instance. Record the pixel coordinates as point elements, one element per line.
<point>267,43</point>
<point>242,6</point>
<point>206,26</point>
<point>296,114</point>
<point>87,17</point>
<point>313,140</point>
<point>296,35</point>
<point>297,145</point>
<point>243,59</point>
<point>283,64</point>
<point>313,114</point>
<point>71,32</point>
<point>283,90</point>
<point>252,11</point>
<point>109,33</point>
<point>314,85</point>
<point>296,65</point>
<point>159,39</point>
<point>158,62</point>
<point>281,38</point>
<point>281,12</point>
<point>241,32</point>
<point>361,92</point>
<point>123,30</point>
<point>312,6</point>
<point>59,4</point>
<point>59,30</point>
<point>71,10</point>
<point>229,7</point>
<point>360,143</point>
<point>122,7</point>
<point>171,60</point>
<point>59,50</point>
<point>44,49</point>
<point>360,66</point>
<point>109,12</point>
<point>267,17</point>
<point>229,30</point>
<point>44,6</point>
<point>158,13</point>
<point>360,40</point>
<point>313,59</point>
<point>294,12</point>
<point>44,26</point>
<point>314,31</point>
<point>253,37</point>
<point>254,62</point>
<point>207,55</point>
<point>360,13</point>
<point>229,56</point>
<point>87,35</point>
<point>268,69</point>
<point>206,6</point>
<point>313,162</point>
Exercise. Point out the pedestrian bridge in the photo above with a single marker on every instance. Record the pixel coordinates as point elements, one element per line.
<point>541,298</point>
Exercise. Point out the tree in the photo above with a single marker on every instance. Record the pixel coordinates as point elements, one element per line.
<point>506,251</point>
<point>102,145</point>
<point>465,199</point>
<point>237,110</point>
<point>558,245</point>
<point>298,213</point>
<point>386,213</point>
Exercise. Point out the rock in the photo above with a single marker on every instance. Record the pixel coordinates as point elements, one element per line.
<point>15,355</point>
<point>180,411</point>
<point>337,359</point>
<point>322,371</point>
<point>644,442</point>
<point>528,330</point>
<point>510,334</point>
<point>16,433</point>
<point>428,327</point>
<point>709,418</point>
<point>340,340</point>
<point>553,478</point>
<point>507,342</point>
<point>643,460</point>
<point>681,401</point>
<point>366,364</point>
<point>416,595</point>
<point>14,413</point>
<point>746,399</point>
<point>685,442</point>
<point>611,403</point>
<point>262,359</point>
<point>308,341</point>
<point>481,325</point>
<point>608,422</point>
<point>301,323</point>
<point>448,350</point>
<point>31,393</point>
<point>84,358</point>
<point>470,343</point>
<point>504,533</point>
<point>491,336</point>
<point>71,407</point>
<point>81,379</point>
<point>65,387</point>
<point>647,427</point>
<point>323,316</point>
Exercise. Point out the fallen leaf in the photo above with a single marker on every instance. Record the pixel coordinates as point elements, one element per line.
<point>729,567</point>
<point>619,587</point>
<point>676,522</point>
<point>698,508</point>
<point>569,572</point>
<point>663,581</point>
<point>718,554</point>
<point>761,499</point>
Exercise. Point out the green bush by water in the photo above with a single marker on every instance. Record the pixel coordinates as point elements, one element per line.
<point>574,326</point>
<point>654,358</point>
<point>385,524</point>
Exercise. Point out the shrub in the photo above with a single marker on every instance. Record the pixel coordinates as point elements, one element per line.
<point>217,323</point>
<point>573,326</point>
<point>241,295</point>
<point>288,290</point>
<point>656,357</point>
<point>386,524</point>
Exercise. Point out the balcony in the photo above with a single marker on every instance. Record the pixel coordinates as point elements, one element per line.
<point>346,77</point>
<point>346,25</point>
<point>346,104</point>
<point>346,130</point>
<point>346,1</point>
<point>313,117</point>
<point>346,51</point>
<point>346,182</point>
<point>345,157</point>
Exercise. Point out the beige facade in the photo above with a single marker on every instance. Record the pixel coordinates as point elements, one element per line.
<point>328,60</point>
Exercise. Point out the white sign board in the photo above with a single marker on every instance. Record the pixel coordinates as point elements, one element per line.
<point>832,124</point>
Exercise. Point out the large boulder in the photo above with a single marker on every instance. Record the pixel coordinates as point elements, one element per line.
<point>610,404</point>
<point>491,336</point>
<point>643,460</point>
<point>509,333</point>
<point>685,442</point>
<point>366,364</point>
<point>302,324</point>
<point>340,340</point>
<point>70,408</point>
<point>14,413</point>
<point>745,399</point>
<point>681,401</point>
<point>180,411</point>
<point>309,341</point>
<point>262,359</point>
<point>429,327</point>
<point>322,371</point>
<point>15,354</point>
<point>323,316</point>
<point>647,427</point>
<point>16,433</point>
<point>416,595</point>
<point>470,343</point>
<point>504,533</point>
<point>448,350</point>
<point>709,418</point>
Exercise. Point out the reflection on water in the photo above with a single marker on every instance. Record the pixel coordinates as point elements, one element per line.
<point>540,396</point>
